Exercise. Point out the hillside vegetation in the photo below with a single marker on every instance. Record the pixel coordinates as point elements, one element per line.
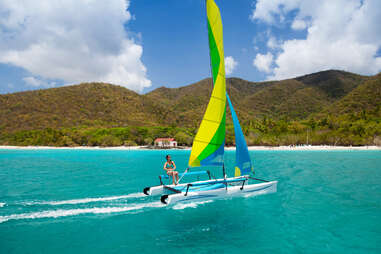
<point>329,107</point>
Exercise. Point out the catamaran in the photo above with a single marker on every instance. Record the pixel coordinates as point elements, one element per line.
<point>209,142</point>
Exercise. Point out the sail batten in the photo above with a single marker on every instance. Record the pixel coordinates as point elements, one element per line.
<point>208,145</point>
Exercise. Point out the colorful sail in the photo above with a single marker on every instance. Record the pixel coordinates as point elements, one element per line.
<point>208,145</point>
<point>242,158</point>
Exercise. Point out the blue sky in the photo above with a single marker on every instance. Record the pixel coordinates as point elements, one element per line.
<point>176,46</point>
<point>145,44</point>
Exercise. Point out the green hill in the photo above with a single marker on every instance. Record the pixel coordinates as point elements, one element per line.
<point>335,84</point>
<point>85,104</point>
<point>364,98</point>
<point>276,112</point>
<point>293,98</point>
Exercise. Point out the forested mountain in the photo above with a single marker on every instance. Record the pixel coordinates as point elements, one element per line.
<point>267,110</point>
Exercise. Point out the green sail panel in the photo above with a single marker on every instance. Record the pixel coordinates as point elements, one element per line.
<point>208,145</point>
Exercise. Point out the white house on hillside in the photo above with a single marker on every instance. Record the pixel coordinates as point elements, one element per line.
<point>165,142</point>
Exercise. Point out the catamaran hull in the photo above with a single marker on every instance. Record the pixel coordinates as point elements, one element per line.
<point>230,191</point>
<point>158,190</point>
<point>166,189</point>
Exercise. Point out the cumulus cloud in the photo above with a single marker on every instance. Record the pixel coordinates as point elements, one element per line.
<point>298,24</point>
<point>341,34</point>
<point>274,10</point>
<point>230,65</point>
<point>35,82</point>
<point>73,41</point>
<point>263,62</point>
<point>272,43</point>
<point>32,81</point>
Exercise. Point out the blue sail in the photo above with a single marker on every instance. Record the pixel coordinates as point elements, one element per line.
<point>242,158</point>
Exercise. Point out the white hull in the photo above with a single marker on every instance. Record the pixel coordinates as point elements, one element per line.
<point>230,191</point>
<point>161,189</point>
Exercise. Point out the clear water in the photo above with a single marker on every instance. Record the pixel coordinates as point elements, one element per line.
<point>89,201</point>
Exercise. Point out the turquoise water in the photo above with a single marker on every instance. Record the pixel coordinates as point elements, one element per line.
<point>88,201</point>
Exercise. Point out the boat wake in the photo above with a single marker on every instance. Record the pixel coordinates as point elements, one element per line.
<point>110,209</point>
<point>182,206</point>
<point>84,200</point>
<point>72,212</point>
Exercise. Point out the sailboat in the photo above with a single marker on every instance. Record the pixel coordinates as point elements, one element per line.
<point>209,142</point>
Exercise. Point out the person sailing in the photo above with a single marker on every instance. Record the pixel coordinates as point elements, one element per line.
<point>169,167</point>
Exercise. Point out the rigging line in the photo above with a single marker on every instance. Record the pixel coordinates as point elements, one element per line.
<point>218,98</point>
<point>182,175</point>
<point>171,189</point>
<point>213,121</point>
<point>258,179</point>
<point>206,142</point>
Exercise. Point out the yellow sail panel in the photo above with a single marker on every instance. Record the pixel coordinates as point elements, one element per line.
<point>210,127</point>
<point>208,145</point>
<point>215,23</point>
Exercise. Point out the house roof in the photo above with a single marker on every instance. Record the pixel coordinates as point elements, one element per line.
<point>164,139</point>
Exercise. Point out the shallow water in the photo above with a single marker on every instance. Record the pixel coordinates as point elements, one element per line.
<point>80,201</point>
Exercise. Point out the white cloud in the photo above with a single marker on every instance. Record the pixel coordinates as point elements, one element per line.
<point>299,24</point>
<point>35,82</point>
<point>73,41</point>
<point>270,11</point>
<point>263,62</point>
<point>272,43</point>
<point>341,34</point>
<point>32,81</point>
<point>230,65</point>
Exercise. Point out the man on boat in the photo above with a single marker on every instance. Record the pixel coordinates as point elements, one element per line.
<point>170,167</point>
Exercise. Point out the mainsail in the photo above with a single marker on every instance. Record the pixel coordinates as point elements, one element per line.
<point>208,145</point>
<point>242,158</point>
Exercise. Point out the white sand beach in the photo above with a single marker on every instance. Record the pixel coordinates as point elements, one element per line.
<point>317,148</point>
<point>253,148</point>
<point>74,147</point>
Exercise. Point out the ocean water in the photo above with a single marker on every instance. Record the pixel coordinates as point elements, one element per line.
<point>90,201</point>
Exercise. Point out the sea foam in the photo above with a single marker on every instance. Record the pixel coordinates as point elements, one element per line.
<point>85,200</point>
<point>181,206</point>
<point>72,212</point>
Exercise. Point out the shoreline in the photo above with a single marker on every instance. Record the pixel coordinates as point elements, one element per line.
<point>251,148</point>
